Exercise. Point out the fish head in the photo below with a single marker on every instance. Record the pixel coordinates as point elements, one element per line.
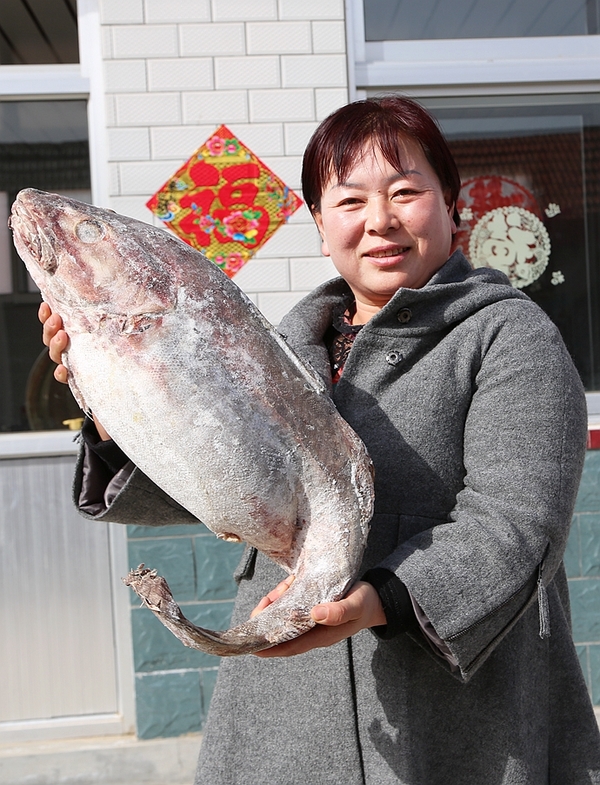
<point>90,259</point>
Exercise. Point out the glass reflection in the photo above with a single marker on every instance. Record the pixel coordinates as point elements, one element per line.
<point>389,20</point>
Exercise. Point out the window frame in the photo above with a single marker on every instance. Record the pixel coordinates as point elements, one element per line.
<point>83,80</point>
<point>470,66</point>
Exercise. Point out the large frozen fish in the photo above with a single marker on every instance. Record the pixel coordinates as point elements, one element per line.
<point>208,400</point>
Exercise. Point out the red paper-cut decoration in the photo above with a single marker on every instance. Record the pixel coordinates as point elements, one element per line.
<point>480,195</point>
<point>224,201</point>
<point>502,227</point>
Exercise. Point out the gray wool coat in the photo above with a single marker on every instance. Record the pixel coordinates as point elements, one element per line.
<point>475,419</point>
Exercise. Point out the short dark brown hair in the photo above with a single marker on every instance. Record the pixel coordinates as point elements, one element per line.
<point>339,141</point>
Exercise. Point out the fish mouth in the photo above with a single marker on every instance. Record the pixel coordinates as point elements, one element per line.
<point>31,236</point>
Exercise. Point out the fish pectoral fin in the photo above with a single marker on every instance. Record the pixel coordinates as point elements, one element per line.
<point>283,620</point>
<point>134,324</point>
<point>125,323</point>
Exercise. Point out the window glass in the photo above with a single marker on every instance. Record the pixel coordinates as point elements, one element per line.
<point>38,31</point>
<point>530,203</point>
<point>435,19</point>
<point>43,144</point>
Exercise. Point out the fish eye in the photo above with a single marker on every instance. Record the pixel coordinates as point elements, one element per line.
<point>90,231</point>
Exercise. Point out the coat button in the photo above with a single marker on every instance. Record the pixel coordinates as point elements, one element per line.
<point>404,315</point>
<point>393,358</point>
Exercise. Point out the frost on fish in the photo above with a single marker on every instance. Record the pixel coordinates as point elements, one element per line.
<point>208,400</point>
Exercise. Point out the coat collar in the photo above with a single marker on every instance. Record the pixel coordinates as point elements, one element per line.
<point>453,293</point>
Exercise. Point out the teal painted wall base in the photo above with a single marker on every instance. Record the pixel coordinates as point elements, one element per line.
<point>174,684</point>
<point>582,562</point>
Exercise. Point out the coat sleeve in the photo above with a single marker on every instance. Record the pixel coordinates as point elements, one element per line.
<point>524,445</point>
<point>127,497</point>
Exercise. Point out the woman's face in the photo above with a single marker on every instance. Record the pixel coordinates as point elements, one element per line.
<point>384,230</point>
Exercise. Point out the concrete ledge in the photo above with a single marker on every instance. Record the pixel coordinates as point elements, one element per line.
<point>112,760</point>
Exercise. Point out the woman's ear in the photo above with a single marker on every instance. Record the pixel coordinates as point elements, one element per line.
<point>451,207</point>
<point>319,221</point>
<point>453,225</point>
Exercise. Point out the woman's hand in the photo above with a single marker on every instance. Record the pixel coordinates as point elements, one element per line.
<point>359,609</point>
<point>57,340</point>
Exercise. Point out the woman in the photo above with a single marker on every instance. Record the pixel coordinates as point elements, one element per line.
<point>451,661</point>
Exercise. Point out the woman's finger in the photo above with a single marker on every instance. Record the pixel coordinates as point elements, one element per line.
<point>52,326</point>
<point>273,595</point>
<point>102,432</point>
<point>361,604</point>
<point>61,375</point>
<point>44,312</point>
<point>57,345</point>
<point>317,638</point>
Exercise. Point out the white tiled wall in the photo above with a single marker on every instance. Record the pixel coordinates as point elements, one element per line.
<point>268,69</point>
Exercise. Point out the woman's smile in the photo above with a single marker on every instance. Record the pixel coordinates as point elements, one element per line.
<point>387,253</point>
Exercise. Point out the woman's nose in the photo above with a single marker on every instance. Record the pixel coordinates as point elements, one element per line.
<point>380,216</point>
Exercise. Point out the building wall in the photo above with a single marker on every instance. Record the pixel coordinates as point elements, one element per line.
<point>268,69</point>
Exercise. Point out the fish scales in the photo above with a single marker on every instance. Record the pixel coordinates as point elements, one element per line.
<point>208,400</point>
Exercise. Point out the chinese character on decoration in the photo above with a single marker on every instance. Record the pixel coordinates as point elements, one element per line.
<point>224,202</point>
<point>513,240</point>
<point>502,227</point>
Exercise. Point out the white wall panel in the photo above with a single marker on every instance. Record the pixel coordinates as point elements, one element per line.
<point>58,651</point>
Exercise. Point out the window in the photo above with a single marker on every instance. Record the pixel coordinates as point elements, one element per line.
<point>516,89</point>
<point>52,137</point>
<point>43,144</point>
<point>530,203</point>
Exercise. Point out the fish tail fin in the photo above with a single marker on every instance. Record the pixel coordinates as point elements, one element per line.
<point>280,621</point>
